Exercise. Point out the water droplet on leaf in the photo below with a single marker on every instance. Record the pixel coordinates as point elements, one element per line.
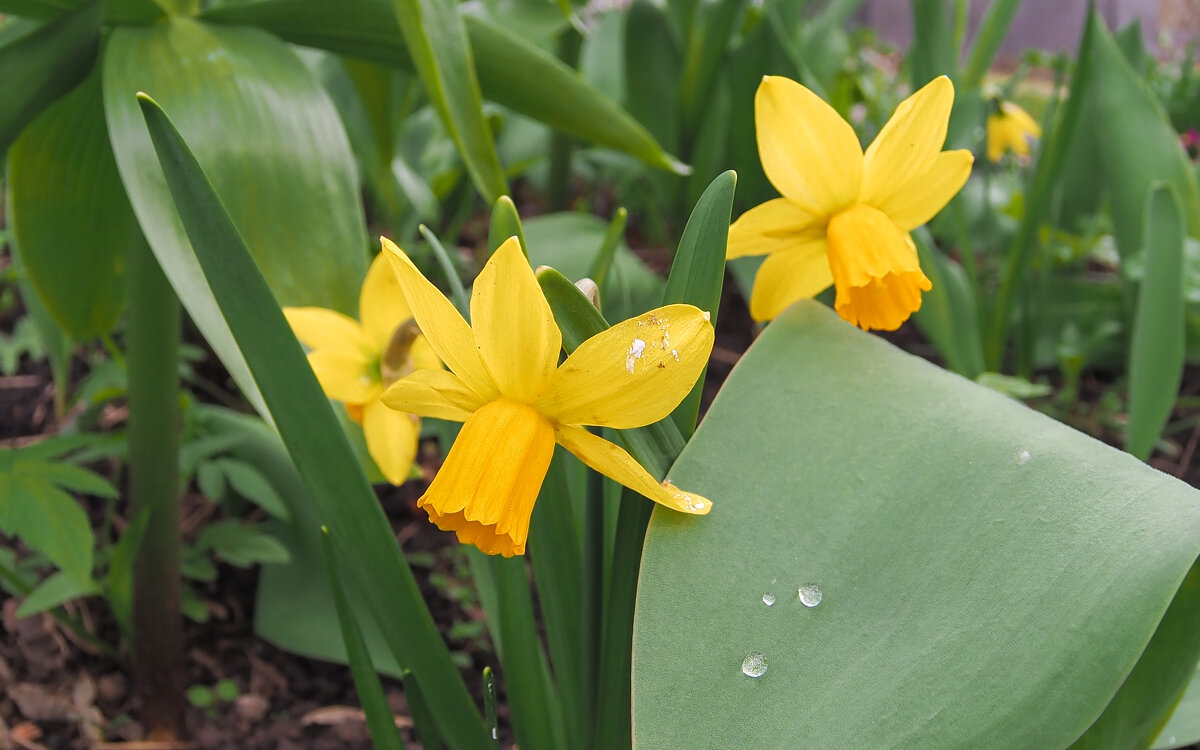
<point>754,665</point>
<point>1023,457</point>
<point>768,599</point>
<point>810,595</point>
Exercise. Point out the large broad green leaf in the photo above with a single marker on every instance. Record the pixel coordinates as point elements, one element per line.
<point>267,134</point>
<point>1137,143</point>
<point>1183,728</point>
<point>437,40</point>
<point>39,67</point>
<point>512,71</point>
<point>314,439</point>
<point>976,558</point>
<point>62,166</point>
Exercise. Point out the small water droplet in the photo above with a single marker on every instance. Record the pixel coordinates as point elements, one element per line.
<point>754,665</point>
<point>768,599</point>
<point>1171,740</point>
<point>810,594</point>
<point>495,734</point>
<point>1023,457</point>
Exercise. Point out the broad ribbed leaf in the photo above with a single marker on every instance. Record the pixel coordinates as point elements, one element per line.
<point>1136,141</point>
<point>41,66</point>
<point>314,438</point>
<point>974,557</point>
<point>271,140</point>
<point>62,166</point>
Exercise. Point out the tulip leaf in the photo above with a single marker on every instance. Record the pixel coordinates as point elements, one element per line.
<point>269,137</point>
<point>974,556</point>
<point>77,266</point>
<point>1123,112</point>
<point>39,67</point>
<point>1156,345</point>
<point>511,70</point>
<point>436,38</point>
<point>1183,728</point>
<point>310,430</point>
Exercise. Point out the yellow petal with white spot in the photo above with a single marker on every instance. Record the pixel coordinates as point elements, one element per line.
<point>927,193</point>
<point>771,227</point>
<point>318,328</point>
<point>345,377</point>
<point>634,373</point>
<point>391,439</point>
<point>486,489</point>
<point>808,151</point>
<point>443,326</point>
<point>613,462</point>
<point>800,272</point>
<point>514,328</point>
<point>381,304</point>
<point>909,142</point>
<point>433,393</point>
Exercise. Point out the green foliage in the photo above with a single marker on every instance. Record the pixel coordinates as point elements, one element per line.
<point>1025,552</point>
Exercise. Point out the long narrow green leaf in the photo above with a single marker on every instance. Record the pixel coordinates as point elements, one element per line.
<point>82,288</point>
<point>314,437</point>
<point>1156,346</point>
<point>704,50</point>
<point>512,71</point>
<point>607,253</point>
<point>115,11</point>
<point>505,223</point>
<point>652,72</point>
<point>555,551</point>
<point>932,53</point>
<point>1054,150</point>
<point>38,68</point>
<point>437,40</point>
<point>992,30</point>
<point>380,722</point>
<point>698,271</point>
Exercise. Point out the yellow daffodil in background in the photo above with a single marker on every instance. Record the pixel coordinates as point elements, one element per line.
<point>354,360</point>
<point>1009,128</point>
<point>516,401</point>
<point>845,216</point>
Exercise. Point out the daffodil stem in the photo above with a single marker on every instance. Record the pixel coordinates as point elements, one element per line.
<point>560,145</point>
<point>592,603</point>
<point>153,434</point>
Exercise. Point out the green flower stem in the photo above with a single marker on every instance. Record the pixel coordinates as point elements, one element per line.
<point>153,398</point>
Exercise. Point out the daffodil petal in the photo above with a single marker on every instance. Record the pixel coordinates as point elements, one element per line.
<point>800,272</point>
<point>318,328</point>
<point>486,489</point>
<point>381,304</point>
<point>514,327</point>
<point>433,393</point>
<point>345,376</point>
<point>423,356</point>
<point>927,193</point>
<point>908,143</point>
<point>771,227</point>
<point>391,439</point>
<point>1022,119</point>
<point>444,329</point>
<point>634,373</point>
<point>613,462</point>
<point>808,151</point>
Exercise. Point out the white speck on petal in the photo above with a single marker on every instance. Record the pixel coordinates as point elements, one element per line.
<point>635,353</point>
<point>675,354</point>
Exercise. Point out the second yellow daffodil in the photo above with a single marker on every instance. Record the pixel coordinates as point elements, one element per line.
<point>845,215</point>
<point>515,400</point>
<point>354,360</point>
<point>1009,128</point>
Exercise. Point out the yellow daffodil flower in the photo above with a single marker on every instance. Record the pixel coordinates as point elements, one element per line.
<point>506,385</point>
<point>354,360</point>
<point>845,216</point>
<point>1009,128</point>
